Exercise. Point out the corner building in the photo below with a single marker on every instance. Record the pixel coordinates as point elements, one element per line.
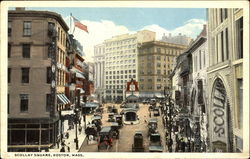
<point>155,63</point>
<point>36,75</point>
<point>225,79</point>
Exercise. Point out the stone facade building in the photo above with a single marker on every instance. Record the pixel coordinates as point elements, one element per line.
<point>178,39</point>
<point>225,79</point>
<point>99,65</point>
<point>155,63</point>
<point>36,76</point>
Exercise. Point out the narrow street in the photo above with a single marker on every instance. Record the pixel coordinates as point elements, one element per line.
<point>125,141</point>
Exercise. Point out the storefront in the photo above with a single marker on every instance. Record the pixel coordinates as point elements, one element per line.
<point>32,135</point>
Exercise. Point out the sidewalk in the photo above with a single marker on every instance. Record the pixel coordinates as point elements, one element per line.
<point>72,135</point>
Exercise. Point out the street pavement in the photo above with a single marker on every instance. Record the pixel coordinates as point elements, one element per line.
<point>125,141</point>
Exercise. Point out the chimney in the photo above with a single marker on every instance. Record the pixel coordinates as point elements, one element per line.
<point>20,8</point>
<point>169,34</point>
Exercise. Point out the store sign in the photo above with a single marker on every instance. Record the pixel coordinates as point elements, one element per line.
<point>219,115</point>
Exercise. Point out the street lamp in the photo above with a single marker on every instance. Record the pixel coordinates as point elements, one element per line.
<point>76,120</point>
<point>77,110</point>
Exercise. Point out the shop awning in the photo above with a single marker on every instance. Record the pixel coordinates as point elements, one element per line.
<point>79,75</point>
<point>82,91</point>
<point>62,99</point>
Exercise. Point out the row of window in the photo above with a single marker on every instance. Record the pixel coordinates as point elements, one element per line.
<point>117,77</point>
<point>121,47</point>
<point>25,50</point>
<point>26,28</point>
<point>114,87</point>
<point>160,50</point>
<point>158,58</point>
<point>121,72</point>
<point>115,55</point>
<point>121,62</point>
<point>127,41</point>
<point>120,66</point>
<point>25,75</point>
<point>24,102</point>
<point>159,72</point>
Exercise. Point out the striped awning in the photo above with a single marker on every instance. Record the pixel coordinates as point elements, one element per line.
<point>62,99</point>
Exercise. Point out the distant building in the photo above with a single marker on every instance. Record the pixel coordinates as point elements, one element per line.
<point>179,39</point>
<point>36,79</point>
<point>225,79</point>
<point>120,63</point>
<point>99,65</point>
<point>155,60</point>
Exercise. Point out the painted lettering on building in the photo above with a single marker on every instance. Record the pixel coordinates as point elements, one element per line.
<point>219,111</point>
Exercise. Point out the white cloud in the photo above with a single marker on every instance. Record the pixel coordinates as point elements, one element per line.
<point>98,32</point>
<point>190,28</point>
<point>105,29</point>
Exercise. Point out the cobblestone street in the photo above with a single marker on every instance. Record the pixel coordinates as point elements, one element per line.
<point>125,141</point>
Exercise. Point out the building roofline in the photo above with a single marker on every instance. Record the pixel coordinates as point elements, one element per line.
<point>33,13</point>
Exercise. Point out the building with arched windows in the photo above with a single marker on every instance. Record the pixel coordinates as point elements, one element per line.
<point>225,79</point>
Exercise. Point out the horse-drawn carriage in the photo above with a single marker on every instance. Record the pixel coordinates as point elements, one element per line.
<point>105,138</point>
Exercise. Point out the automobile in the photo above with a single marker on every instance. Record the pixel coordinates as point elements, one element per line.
<point>115,128</point>
<point>137,146</point>
<point>145,101</point>
<point>153,101</point>
<point>155,144</point>
<point>111,117</point>
<point>105,139</point>
<point>156,111</point>
<point>91,129</point>
<point>118,119</point>
<point>152,126</point>
<point>97,120</point>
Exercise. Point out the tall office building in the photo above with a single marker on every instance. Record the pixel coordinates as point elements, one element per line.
<point>178,39</point>
<point>120,62</point>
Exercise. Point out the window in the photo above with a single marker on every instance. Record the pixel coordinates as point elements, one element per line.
<point>26,28</point>
<point>200,58</point>
<point>24,102</point>
<point>158,71</point>
<point>48,102</point>
<point>158,50</point>
<point>222,47</point>
<point>239,39</point>
<point>227,49</point>
<point>9,28</point>
<point>26,50</point>
<point>25,74</point>
<point>49,74</point>
<point>9,50</point>
<point>240,98</point>
<point>8,103</point>
<point>134,71</point>
<point>9,75</point>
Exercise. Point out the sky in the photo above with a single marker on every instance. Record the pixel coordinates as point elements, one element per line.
<point>103,23</point>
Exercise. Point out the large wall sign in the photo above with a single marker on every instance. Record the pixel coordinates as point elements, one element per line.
<point>219,117</point>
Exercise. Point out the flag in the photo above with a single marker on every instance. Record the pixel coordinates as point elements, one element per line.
<point>79,25</point>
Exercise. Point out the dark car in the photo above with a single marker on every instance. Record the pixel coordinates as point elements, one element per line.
<point>137,146</point>
<point>155,144</point>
